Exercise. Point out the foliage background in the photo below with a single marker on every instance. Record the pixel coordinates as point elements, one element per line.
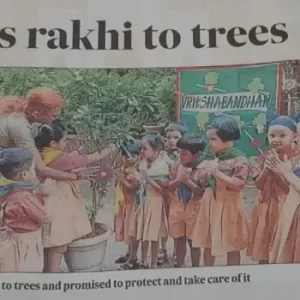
<point>102,103</point>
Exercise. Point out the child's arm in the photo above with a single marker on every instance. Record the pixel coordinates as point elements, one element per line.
<point>98,156</point>
<point>174,182</point>
<point>259,173</point>
<point>184,178</point>
<point>285,169</point>
<point>35,210</point>
<point>158,186</point>
<point>239,177</point>
<point>293,179</point>
<point>131,185</point>
<point>73,161</point>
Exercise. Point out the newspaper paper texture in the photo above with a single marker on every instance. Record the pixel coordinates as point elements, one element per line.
<point>157,137</point>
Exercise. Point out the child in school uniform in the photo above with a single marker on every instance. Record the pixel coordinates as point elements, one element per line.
<point>188,185</point>
<point>126,188</point>
<point>285,246</point>
<point>173,133</point>
<point>149,221</point>
<point>221,227</point>
<point>272,187</point>
<point>68,218</point>
<point>23,213</point>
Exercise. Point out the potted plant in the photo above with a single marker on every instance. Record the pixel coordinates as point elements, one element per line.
<point>87,254</point>
<point>103,106</point>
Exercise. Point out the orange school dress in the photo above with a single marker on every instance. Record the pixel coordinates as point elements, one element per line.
<point>221,223</point>
<point>23,215</point>
<point>148,220</point>
<point>285,247</point>
<point>125,198</point>
<point>68,218</point>
<point>272,193</point>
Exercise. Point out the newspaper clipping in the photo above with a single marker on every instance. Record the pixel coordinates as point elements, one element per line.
<point>161,138</point>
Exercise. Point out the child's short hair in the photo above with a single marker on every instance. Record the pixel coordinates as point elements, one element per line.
<point>176,126</point>
<point>227,128</point>
<point>192,143</point>
<point>154,140</point>
<point>132,148</point>
<point>47,134</point>
<point>15,160</point>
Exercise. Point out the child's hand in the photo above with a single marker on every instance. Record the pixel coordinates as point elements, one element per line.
<point>182,175</point>
<point>278,166</point>
<point>212,167</point>
<point>81,149</point>
<point>145,175</point>
<point>120,176</point>
<point>112,147</point>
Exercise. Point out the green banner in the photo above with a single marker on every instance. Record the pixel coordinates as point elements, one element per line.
<point>247,94</point>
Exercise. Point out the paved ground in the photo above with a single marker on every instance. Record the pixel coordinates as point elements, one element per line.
<point>115,250</point>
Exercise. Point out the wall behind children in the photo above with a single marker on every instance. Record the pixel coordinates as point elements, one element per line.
<point>250,94</point>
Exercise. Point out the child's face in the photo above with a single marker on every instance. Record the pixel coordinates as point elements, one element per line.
<point>280,137</point>
<point>147,152</point>
<point>60,145</point>
<point>216,145</point>
<point>172,138</point>
<point>30,175</point>
<point>130,161</point>
<point>186,157</point>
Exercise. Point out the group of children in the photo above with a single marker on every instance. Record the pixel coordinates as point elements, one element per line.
<point>195,197</point>
<point>40,217</point>
<point>183,192</point>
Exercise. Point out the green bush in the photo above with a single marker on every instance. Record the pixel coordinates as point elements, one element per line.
<point>102,103</point>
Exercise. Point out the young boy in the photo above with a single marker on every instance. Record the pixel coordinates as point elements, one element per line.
<point>173,133</point>
<point>188,186</point>
<point>23,213</point>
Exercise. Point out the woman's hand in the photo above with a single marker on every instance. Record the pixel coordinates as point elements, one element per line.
<point>86,173</point>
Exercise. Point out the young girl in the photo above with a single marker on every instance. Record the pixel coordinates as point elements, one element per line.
<point>68,219</point>
<point>173,132</point>
<point>23,213</point>
<point>126,188</point>
<point>272,188</point>
<point>285,247</point>
<point>221,227</point>
<point>149,222</point>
